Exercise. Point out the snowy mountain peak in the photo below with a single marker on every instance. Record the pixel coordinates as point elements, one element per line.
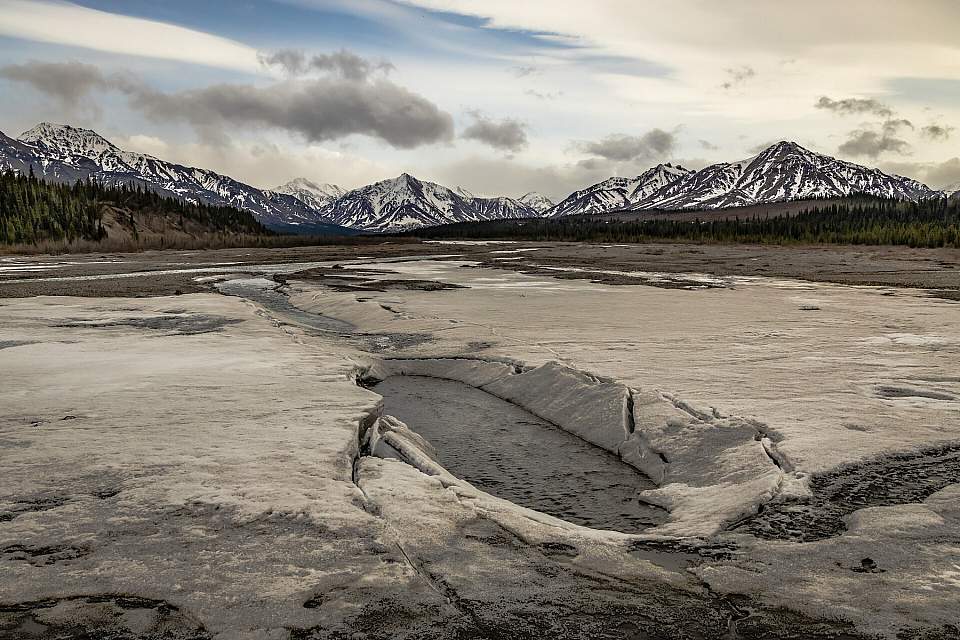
<point>315,196</point>
<point>63,137</point>
<point>405,202</point>
<point>308,186</point>
<point>536,201</point>
<point>64,153</point>
<point>618,193</point>
<point>782,172</point>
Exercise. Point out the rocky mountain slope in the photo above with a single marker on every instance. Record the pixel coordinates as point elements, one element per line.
<point>783,172</point>
<point>65,154</point>
<point>405,202</point>
<point>316,196</point>
<point>536,201</point>
<point>617,193</point>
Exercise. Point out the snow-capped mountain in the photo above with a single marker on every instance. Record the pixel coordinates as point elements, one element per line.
<point>310,193</point>
<point>536,201</point>
<point>501,207</point>
<point>405,202</point>
<point>617,193</point>
<point>65,153</point>
<point>784,171</point>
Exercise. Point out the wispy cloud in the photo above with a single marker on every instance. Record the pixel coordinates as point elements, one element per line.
<point>346,64</point>
<point>854,106</point>
<point>938,132</point>
<point>69,24</point>
<point>738,75</point>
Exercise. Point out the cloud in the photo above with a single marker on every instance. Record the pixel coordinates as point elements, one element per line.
<point>654,144</point>
<point>505,135</point>
<point>894,125</point>
<point>738,75</point>
<point>938,132</point>
<point>68,24</point>
<point>870,140</point>
<point>549,95</point>
<point>944,174</point>
<point>344,63</point>
<point>319,109</point>
<point>870,144</point>
<point>525,70</point>
<point>706,144</point>
<point>854,106</point>
<point>68,82</point>
<point>938,175</point>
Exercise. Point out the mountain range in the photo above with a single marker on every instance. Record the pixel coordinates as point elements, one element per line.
<point>784,171</point>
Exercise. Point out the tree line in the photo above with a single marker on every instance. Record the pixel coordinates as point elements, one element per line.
<point>866,221</point>
<point>33,210</point>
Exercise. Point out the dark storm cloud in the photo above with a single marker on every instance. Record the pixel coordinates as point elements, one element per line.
<point>319,109</point>
<point>871,144</point>
<point>938,132</point>
<point>738,75</point>
<point>344,63</point>
<point>65,81</point>
<point>654,144</point>
<point>854,106</point>
<point>505,135</point>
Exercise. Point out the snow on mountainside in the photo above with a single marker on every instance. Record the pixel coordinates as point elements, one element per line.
<point>784,171</point>
<point>310,193</point>
<point>953,191</point>
<point>65,153</point>
<point>617,193</point>
<point>405,202</point>
<point>536,201</point>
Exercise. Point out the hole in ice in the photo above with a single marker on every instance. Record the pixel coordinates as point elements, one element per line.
<point>512,454</point>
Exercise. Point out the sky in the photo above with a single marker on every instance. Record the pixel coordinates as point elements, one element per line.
<point>499,97</point>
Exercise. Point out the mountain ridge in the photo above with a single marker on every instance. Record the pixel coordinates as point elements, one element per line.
<point>783,172</point>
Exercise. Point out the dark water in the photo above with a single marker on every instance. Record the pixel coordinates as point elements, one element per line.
<point>264,293</point>
<point>510,453</point>
<point>901,478</point>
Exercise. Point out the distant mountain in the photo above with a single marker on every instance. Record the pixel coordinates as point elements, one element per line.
<point>953,191</point>
<point>783,172</point>
<point>404,203</point>
<point>315,196</point>
<point>65,154</point>
<point>536,201</point>
<point>617,193</point>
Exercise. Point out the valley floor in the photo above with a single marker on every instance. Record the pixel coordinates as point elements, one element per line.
<point>201,465</point>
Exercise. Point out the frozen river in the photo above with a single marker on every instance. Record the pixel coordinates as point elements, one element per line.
<point>504,450</point>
